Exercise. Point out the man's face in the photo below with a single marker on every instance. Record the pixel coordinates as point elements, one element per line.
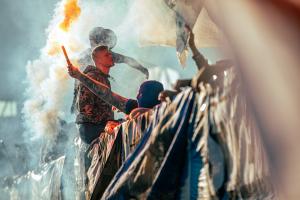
<point>139,95</point>
<point>104,57</point>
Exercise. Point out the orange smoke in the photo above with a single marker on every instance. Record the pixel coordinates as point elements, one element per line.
<point>72,12</point>
<point>54,49</point>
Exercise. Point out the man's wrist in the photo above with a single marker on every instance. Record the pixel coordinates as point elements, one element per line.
<point>196,55</point>
<point>80,76</point>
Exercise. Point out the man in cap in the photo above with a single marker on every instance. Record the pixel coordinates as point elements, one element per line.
<point>93,113</point>
<point>101,36</point>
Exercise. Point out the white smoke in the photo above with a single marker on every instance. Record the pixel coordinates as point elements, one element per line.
<point>50,89</point>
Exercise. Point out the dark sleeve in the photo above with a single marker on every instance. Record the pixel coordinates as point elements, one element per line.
<point>130,105</point>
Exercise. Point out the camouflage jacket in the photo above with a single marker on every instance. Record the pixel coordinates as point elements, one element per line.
<point>87,105</point>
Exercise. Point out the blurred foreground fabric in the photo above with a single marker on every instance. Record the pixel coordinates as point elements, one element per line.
<point>201,146</point>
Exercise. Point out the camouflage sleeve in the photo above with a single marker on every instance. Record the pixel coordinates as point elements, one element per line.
<point>119,58</point>
<point>86,100</point>
<point>103,92</point>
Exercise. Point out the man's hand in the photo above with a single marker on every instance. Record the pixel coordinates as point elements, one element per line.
<point>181,83</point>
<point>167,95</point>
<point>191,38</point>
<point>110,125</point>
<point>73,71</point>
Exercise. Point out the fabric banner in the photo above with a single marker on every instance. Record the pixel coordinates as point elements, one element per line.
<point>202,146</point>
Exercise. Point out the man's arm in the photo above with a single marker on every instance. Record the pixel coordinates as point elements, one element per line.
<point>201,62</point>
<point>99,89</point>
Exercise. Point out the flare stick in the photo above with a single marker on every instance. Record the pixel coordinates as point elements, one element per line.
<point>66,55</point>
